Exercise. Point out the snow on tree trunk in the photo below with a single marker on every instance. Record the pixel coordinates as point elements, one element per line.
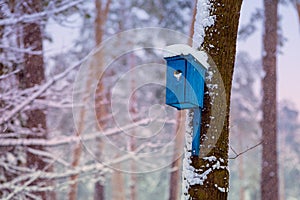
<point>269,174</point>
<point>207,176</point>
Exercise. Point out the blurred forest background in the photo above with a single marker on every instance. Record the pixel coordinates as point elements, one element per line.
<point>42,46</point>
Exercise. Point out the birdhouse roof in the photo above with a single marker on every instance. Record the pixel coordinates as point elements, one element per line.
<point>184,50</point>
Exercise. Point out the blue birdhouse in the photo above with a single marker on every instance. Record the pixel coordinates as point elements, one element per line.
<point>185,82</point>
<point>185,85</point>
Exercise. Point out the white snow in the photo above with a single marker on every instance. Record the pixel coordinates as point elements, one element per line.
<point>183,49</point>
<point>210,158</point>
<point>221,189</point>
<point>11,158</point>
<point>188,170</point>
<point>210,75</point>
<point>203,20</point>
<point>140,13</point>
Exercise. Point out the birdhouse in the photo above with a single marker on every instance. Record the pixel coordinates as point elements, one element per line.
<point>185,82</point>
<point>186,70</point>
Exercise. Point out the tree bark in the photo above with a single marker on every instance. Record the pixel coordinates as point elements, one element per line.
<point>269,174</point>
<point>101,111</point>
<point>132,140</point>
<point>117,182</point>
<point>31,75</point>
<point>101,16</point>
<point>220,44</point>
<point>175,176</point>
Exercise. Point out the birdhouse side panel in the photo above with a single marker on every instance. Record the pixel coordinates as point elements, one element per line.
<point>195,84</point>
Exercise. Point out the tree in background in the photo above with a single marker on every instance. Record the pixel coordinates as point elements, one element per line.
<point>269,174</point>
<point>102,10</point>
<point>31,75</point>
<point>101,13</point>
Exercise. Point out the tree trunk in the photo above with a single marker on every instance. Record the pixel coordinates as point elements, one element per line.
<point>101,111</point>
<point>117,183</point>
<point>31,75</point>
<point>132,141</point>
<point>78,146</point>
<point>175,176</point>
<point>269,174</point>
<point>220,44</point>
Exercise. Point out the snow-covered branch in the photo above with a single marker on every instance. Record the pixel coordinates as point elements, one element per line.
<point>20,50</point>
<point>36,16</point>
<point>10,114</point>
<point>70,139</point>
<point>9,74</point>
<point>44,175</point>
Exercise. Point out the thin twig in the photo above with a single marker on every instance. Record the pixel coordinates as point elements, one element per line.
<point>245,151</point>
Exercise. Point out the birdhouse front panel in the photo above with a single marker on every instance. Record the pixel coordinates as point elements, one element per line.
<point>176,73</point>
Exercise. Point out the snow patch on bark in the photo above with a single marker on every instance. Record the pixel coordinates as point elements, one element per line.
<point>188,170</point>
<point>190,175</point>
<point>203,20</point>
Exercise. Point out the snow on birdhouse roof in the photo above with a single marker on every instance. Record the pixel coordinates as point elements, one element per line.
<point>183,49</point>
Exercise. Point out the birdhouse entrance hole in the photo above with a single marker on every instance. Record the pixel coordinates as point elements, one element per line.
<point>177,74</point>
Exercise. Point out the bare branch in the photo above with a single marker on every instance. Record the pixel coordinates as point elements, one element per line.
<point>245,151</point>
